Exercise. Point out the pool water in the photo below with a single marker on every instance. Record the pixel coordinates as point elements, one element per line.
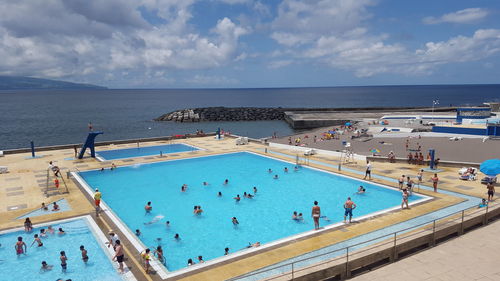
<point>27,267</point>
<point>265,218</point>
<point>144,151</point>
<point>63,207</point>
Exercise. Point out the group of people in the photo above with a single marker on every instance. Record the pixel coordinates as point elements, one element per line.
<point>349,206</point>
<point>22,249</point>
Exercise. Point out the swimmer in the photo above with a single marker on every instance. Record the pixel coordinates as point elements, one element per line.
<point>184,187</point>
<point>226,251</point>
<point>63,259</point>
<point>254,190</point>
<point>200,259</point>
<point>44,208</point>
<point>177,237</point>
<point>361,190</point>
<point>269,170</point>
<point>235,221</point>
<point>190,262</point>
<point>113,166</point>
<point>102,170</point>
<point>45,267</point>
<point>275,177</point>
<point>157,218</point>
<point>167,224</point>
<point>325,218</point>
<point>256,244</point>
<point>219,194</point>
<point>20,246</point>
<point>85,257</point>
<point>226,181</point>
<point>138,232</point>
<point>249,196</point>
<point>294,216</point>
<point>198,210</point>
<point>55,207</point>
<point>237,198</point>
<point>300,217</point>
<point>296,168</point>
<point>285,170</point>
<point>50,229</point>
<point>148,207</point>
<point>43,233</point>
<point>61,231</point>
<point>37,240</point>
<point>205,183</point>
<point>159,254</point>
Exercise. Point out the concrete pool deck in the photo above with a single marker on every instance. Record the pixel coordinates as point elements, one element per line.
<point>22,190</point>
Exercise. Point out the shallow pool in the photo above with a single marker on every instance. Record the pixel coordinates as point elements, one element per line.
<point>265,218</point>
<point>27,267</point>
<point>144,151</point>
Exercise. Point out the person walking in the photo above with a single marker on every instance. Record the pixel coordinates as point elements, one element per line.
<point>435,181</point>
<point>368,170</point>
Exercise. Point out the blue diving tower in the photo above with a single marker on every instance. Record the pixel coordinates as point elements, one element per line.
<point>89,143</point>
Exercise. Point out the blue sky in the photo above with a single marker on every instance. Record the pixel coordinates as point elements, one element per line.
<point>252,43</point>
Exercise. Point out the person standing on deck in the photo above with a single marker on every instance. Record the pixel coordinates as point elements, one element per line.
<point>368,170</point>
<point>435,181</point>
<point>348,206</point>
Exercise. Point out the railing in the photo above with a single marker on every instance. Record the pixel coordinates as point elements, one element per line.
<point>289,271</point>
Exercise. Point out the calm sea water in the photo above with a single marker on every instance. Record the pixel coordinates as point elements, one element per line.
<point>51,117</point>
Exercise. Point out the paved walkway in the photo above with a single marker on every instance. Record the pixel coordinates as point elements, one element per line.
<point>473,256</point>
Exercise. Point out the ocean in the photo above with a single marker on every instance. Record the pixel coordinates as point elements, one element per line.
<point>51,117</point>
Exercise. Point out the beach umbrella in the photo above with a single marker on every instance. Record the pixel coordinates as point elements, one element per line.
<point>374,150</point>
<point>348,124</point>
<point>490,167</point>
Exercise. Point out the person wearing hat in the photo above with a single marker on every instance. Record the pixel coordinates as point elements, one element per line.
<point>97,197</point>
<point>112,239</point>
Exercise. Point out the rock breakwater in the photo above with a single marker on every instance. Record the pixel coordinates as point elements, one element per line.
<point>223,114</point>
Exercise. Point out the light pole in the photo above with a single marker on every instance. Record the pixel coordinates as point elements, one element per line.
<point>434,102</point>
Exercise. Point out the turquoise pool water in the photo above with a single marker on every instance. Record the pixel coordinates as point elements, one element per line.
<point>144,151</point>
<point>265,218</point>
<point>63,207</point>
<point>27,267</point>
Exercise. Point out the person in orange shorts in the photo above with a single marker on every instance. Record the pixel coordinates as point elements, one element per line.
<point>97,197</point>
<point>56,183</point>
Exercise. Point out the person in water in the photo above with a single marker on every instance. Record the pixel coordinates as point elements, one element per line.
<point>148,207</point>
<point>37,240</point>
<point>85,257</point>
<point>20,246</point>
<point>237,198</point>
<point>361,190</point>
<point>235,221</point>
<point>45,267</point>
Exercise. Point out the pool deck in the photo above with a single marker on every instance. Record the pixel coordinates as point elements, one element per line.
<point>22,190</point>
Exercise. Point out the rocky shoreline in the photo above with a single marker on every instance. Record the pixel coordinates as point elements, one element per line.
<point>224,114</point>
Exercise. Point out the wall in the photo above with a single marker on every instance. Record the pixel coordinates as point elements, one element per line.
<point>458,130</point>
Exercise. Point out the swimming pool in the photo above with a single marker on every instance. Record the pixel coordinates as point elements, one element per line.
<point>265,218</point>
<point>78,232</point>
<point>144,151</point>
<point>63,207</point>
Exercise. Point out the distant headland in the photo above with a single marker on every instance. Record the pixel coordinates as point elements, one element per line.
<point>21,82</point>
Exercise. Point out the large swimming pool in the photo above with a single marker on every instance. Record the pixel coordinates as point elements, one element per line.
<point>27,267</point>
<point>144,151</point>
<point>265,218</point>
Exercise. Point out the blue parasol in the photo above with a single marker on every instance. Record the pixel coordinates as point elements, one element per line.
<point>490,167</point>
<point>348,124</point>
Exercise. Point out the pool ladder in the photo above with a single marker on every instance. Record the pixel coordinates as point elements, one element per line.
<point>48,181</point>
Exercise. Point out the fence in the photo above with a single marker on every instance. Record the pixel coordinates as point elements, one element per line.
<point>357,258</point>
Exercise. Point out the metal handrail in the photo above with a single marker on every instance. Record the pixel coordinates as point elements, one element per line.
<point>432,224</point>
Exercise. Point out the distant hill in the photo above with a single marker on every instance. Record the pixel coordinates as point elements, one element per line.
<point>20,82</point>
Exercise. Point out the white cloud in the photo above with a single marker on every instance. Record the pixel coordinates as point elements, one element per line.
<point>470,15</point>
<point>279,63</point>
<point>77,38</point>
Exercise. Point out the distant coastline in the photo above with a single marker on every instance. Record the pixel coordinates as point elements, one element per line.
<point>24,83</point>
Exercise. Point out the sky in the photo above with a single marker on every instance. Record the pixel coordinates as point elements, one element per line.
<point>252,43</point>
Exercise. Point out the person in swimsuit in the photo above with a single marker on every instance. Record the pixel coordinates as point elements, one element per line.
<point>269,170</point>
<point>235,221</point>
<point>184,187</point>
<point>45,267</point>
<point>50,229</point>
<point>361,190</point>
<point>285,170</point>
<point>316,213</point>
<point>294,216</point>
<point>20,246</point>
<point>348,206</point>
<point>491,191</point>
<point>226,182</point>
<point>405,200</point>
<point>44,207</point>
<point>61,231</point>
<point>146,257</point>
<point>254,190</point>
<point>37,240</point>
<point>409,185</point>
<point>190,262</point>
<point>138,232</point>
<point>63,259</point>
<point>219,194</point>
<point>275,177</point>
<point>85,257</point>
<point>420,176</point>
<point>300,217</point>
<point>55,207</point>
<point>28,226</point>
<point>148,207</point>
<point>119,256</point>
<point>226,251</point>
<point>177,237</point>
<point>159,254</point>
<point>200,259</point>
<point>435,181</point>
<point>43,233</point>
<point>237,198</point>
<point>401,181</point>
<point>483,203</point>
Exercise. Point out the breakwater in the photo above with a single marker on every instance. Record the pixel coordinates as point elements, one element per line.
<point>224,114</point>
